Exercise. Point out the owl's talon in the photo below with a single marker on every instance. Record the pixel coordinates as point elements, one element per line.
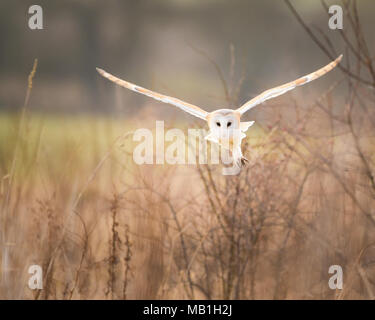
<point>244,162</point>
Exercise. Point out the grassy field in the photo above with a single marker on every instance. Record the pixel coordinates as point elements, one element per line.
<point>73,201</point>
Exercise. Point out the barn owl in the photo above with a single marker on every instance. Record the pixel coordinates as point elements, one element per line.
<point>225,126</point>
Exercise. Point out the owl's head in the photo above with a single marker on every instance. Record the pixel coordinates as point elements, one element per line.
<point>224,121</point>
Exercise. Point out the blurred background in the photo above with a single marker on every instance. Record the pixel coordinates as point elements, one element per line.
<point>73,201</point>
<point>151,43</point>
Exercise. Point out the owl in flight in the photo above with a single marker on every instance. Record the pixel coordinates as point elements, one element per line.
<point>225,125</point>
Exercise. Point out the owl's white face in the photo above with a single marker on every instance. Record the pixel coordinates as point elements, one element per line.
<point>224,122</point>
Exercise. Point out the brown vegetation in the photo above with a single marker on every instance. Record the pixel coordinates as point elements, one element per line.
<point>102,227</point>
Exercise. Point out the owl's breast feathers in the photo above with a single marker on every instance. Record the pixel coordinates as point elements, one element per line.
<point>233,139</point>
<point>230,142</point>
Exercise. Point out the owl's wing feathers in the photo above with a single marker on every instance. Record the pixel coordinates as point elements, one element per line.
<point>187,107</point>
<point>244,126</point>
<point>274,92</point>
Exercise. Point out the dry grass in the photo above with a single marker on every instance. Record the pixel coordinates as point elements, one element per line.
<point>101,227</point>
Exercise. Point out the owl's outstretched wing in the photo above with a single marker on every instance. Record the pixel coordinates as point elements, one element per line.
<point>187,107</point>
<point>274,92</point>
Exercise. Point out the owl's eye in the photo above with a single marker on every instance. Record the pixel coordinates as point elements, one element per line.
<point>229,124</point>
<point>218,124</point>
